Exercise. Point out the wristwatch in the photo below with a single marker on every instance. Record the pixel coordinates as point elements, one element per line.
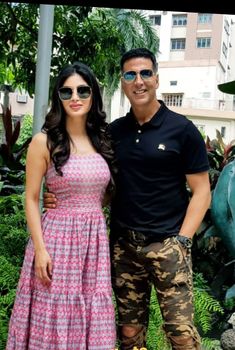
<point>186,242</point>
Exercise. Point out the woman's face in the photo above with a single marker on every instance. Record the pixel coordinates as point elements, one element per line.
<point>76,96</point>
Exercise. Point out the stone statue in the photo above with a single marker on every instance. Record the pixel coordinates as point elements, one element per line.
<point>223,217</point>
<point>223,198</point>
<point>223,207</point>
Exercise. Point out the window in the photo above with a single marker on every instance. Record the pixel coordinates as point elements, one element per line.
<point>173,82</point>
<point>223,131</point>
<point>155,20</point>
<point>204,17</point>
<point>206,94</point>
<point>203,43</point>
<point>173,99</point>
<point>177,44</point>
<point>21,98</point>
<point>221,105</point>
<point>179,20</point>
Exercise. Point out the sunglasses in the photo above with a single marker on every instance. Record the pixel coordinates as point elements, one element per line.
<point>83,92</point>
<point>131,75</point>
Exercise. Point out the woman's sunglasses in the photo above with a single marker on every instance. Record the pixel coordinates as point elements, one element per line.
<point>131,75</point>
<point>83,92</point>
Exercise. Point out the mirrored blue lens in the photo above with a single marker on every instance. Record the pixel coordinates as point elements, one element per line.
<point>130,76</point>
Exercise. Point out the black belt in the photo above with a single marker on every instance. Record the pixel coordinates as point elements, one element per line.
<point>136,236</point>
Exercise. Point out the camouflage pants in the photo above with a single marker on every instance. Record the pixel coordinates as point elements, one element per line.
<point>167,265</point>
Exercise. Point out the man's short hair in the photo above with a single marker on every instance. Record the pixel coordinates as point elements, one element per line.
<point>139,52</point>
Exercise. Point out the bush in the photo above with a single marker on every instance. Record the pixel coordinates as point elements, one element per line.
<point>14,237</point>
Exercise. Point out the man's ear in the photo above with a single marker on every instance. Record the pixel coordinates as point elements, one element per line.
<point>157,79</point>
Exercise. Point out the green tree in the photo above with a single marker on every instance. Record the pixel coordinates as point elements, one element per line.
<point>6,73</point>
<point>26,128</point>
<point>96,36</point>
<point>135,30</point>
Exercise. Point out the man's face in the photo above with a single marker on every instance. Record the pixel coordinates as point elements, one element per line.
<point>139,88</point>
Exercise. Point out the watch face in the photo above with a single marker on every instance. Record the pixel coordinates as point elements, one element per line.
<point>185,241</point>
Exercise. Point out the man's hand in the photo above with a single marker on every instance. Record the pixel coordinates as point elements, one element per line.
<point>49,200</point>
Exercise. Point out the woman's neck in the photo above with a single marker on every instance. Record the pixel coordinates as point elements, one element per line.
<point>76,130</point>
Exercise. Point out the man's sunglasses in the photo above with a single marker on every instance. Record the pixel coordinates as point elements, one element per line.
<point>83,92</point>
<point>131,75</point>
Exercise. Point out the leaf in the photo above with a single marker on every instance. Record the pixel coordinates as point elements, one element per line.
<point>220,139</point>
<point>7,124</point>
<point>22,149</point>
<point>15,134</point>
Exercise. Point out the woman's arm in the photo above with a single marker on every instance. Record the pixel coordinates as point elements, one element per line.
<point>37,161</point>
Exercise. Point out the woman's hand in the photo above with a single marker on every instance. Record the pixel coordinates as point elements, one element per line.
<point>43,266</point>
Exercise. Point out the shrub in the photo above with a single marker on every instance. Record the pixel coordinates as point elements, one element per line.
<point>13,240</point>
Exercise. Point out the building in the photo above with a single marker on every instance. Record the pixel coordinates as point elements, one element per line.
<point>196,53</point>
<point>19,101</point>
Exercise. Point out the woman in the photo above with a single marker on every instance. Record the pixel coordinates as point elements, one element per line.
<point>64,296</point>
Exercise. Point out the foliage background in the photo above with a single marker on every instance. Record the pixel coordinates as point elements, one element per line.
<point>209,308</point>
<point>80,33</point>
<point>85,33</point>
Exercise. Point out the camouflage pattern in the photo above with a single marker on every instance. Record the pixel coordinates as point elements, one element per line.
<point>135,342</point>
<point>136,265</point>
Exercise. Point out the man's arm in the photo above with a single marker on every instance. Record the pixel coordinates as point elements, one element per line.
<point>49,200</point>
<point>106,200</point>
<point>199,203</point>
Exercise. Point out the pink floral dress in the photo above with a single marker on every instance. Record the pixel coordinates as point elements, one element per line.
<point>76,312</point>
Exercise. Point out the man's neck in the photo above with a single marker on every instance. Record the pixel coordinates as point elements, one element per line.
<point>144,114</point>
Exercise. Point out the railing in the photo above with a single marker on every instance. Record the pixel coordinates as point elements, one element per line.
<point>211,104</point>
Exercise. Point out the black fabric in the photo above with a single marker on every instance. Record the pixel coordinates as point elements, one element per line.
<point>153,160</point>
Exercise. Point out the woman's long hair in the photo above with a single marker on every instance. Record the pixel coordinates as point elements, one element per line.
<point>58,139</point>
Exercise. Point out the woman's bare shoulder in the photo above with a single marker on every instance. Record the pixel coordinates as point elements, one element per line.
<point>40,138</point>
<point>38,144</point>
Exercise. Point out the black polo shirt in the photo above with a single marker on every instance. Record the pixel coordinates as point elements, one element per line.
<point>153,159</point>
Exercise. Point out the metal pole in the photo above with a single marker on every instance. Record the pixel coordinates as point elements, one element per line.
<point>42,81</point>
<point>45,35</point>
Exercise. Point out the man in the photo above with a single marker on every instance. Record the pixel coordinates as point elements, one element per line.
<point>159,153</point>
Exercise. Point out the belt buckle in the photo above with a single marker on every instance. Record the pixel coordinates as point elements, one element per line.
<point>134,236</point>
